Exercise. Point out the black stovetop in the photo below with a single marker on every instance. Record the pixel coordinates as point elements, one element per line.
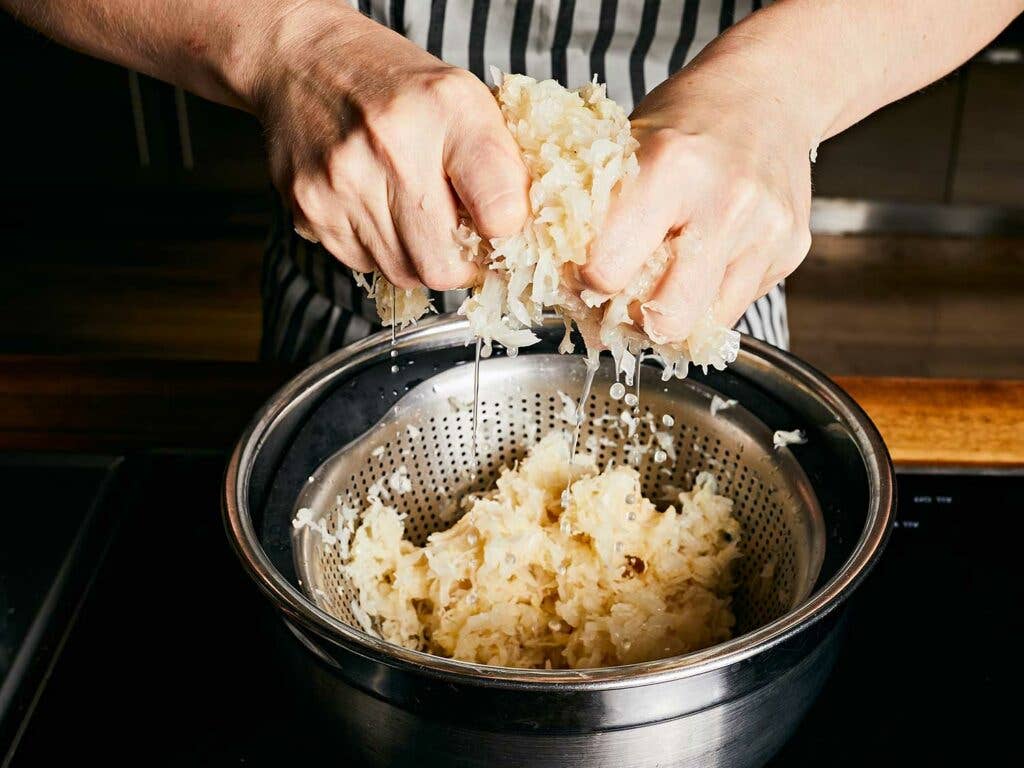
<point>175,659</point>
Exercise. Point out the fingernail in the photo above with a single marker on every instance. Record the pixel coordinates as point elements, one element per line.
<point>305,234</point>
<point>661,326</point>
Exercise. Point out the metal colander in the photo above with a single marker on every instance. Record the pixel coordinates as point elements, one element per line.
<point>815,518</point>
<point>429,432</point>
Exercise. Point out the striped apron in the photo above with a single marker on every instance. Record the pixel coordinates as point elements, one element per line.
<point>311,304</point>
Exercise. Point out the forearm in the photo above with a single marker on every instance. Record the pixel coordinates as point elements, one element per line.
<point>833,62</point>
<point>210,47</point>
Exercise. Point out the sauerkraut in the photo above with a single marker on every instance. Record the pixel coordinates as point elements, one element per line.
<point>577,147</point>
<point>536,576</point>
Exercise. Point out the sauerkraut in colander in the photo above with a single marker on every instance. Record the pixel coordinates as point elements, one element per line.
<point>536,576</point>
<point>577,147</point>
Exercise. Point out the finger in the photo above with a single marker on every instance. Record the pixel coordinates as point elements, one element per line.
<point>787,259</point>
<point>742,285</point>
<point>337,238</point>
<point>375,229</point>
<point>426,222</point>
<point>320,215</point>
<point>686,290</point>
<point>488,174</point>
<point>306,233</point>
<point>637,222</point>
<point>349,251</point>
<point>349,202</point>
<point>381,241</point>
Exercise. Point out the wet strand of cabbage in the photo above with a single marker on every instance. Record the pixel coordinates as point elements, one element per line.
<point>578,418</point>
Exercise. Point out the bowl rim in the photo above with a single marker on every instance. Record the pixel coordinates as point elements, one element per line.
<point>438,330</point>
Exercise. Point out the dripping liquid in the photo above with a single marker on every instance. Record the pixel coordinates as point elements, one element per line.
<point>394,352</point>
<point>476,405</point>
<point>636,409</point>
<point>394,314</point>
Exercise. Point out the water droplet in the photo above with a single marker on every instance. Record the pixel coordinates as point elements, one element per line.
<point>626,645</point>
<point>660,457</point>
<point>631,515</point>
<point>394,392</point>
<point>394,369</point>
<point>394,353</point>
<point>632,400</point>
<point>619,546</point>
<point>616,391</point>
<point>471,598</point>
<point>667,420</point>
<point>631,498</point>
<point>312,479</point>
<point>472,539</point>
<point>566,526</point>
<point>510,559</point>
<point>562,569</point>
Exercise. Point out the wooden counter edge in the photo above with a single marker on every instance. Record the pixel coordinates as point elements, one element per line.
<point>70,404</point>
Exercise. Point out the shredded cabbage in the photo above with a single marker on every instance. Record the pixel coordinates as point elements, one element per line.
<point>577,147</point>
<point>533,576</point>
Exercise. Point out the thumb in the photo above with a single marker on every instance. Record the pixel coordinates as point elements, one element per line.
<point>489,176</point>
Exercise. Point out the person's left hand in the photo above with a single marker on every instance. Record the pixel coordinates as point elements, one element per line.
<point>725,180</point>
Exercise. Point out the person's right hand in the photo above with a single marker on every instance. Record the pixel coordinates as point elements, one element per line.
<point>376,145</point>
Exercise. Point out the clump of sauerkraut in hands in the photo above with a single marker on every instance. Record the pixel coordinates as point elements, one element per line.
<point>577,147</point>
<point>539,577</point>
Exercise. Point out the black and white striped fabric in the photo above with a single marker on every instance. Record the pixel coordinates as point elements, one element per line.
<point>311,304</point>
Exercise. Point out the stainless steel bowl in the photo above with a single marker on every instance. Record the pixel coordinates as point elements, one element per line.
<point>732,704</point>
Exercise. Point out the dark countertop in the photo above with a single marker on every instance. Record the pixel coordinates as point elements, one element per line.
<point>176,658</point>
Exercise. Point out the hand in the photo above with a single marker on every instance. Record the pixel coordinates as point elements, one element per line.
<point>377,145</point>
<point>725,180</point>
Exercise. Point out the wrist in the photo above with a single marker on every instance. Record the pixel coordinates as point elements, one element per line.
<point>773,88</point>
<point>268,45</point>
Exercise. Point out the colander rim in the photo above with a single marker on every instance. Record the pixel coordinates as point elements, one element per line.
<point>299,609</point>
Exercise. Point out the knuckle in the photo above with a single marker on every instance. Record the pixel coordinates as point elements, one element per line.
<point>452,84</point>
<point>337,166</point>
<point>309,199</point>
<point>742,195</point>
<point>666,147</point>
<point>388,122</point>
<point>501,213</point>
